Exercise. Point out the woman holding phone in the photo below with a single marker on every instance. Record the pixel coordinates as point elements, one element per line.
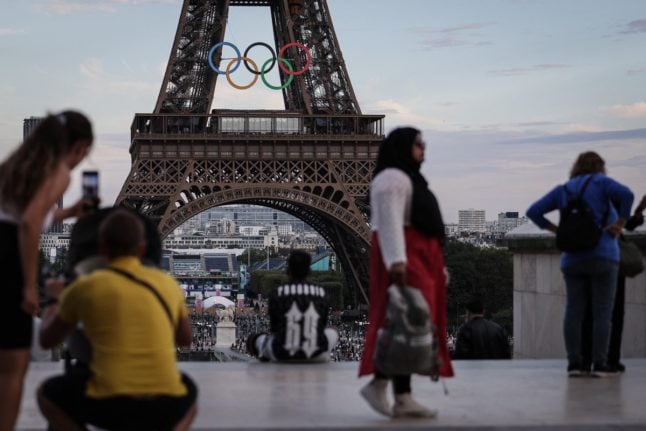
<point>32,180</point>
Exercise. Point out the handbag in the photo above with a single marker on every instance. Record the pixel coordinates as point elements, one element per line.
<point>631,262</point>
<point>407,343</point>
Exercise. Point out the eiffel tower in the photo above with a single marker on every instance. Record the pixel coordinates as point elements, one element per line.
<point>314,159</point>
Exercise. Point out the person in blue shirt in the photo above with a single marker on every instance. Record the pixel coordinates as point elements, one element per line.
<point>590,275</point>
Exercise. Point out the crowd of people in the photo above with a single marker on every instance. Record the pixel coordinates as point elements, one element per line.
<point>351,337</point>
<point>204,328</point>
<point>250,320</point>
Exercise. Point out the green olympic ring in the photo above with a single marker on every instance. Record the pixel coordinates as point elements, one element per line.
<point>277,87</point>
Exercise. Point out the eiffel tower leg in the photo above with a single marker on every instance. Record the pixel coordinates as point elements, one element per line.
<point>353,256</point>
<point>150,185</point>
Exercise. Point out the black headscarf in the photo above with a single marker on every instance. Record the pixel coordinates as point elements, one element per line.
<point>397,152</point>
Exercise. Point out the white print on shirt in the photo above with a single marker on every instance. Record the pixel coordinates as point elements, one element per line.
<point>301,326</point>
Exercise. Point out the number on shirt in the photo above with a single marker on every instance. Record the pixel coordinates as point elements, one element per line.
<point>301,333</point>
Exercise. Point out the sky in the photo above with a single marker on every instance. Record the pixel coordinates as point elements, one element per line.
<point>506,92</point>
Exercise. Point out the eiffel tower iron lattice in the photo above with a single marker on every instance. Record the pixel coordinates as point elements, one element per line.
<point>313,160</point>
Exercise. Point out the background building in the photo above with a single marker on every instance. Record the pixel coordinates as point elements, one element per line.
<point>509,220</point>
<point>209,274</point>
<point>29,124</point>
<point>471,220</point>
<point>244,226</point>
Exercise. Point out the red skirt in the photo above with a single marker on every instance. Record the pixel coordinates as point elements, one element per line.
<point>425,271</point>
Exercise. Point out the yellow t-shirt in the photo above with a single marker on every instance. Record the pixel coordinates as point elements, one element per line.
<point>133,342</point>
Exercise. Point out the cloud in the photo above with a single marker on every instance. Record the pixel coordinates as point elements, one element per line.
<point>10,31</point>
<point>7,91</point>
<point>580,137</point>
<point>480,169</point>
<point>72,6</point>
<point>635,110</point>
<point>400,114</point>
<point>632,72</point>
<point>449,37</point>
<point>637,26</point>
<point>97,80</point>
<point>111,95</point>
<point>537,123</point>
<point>526,70</point>
<point>632,162</point>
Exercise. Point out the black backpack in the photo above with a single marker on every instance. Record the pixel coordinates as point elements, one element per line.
<point>577,229</point>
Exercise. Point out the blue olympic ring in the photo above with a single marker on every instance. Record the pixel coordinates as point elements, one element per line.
<point>212,51</point>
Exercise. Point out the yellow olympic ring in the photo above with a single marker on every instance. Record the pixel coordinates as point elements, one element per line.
<point>255,76</point>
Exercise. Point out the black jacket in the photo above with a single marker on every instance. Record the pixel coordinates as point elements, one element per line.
<point>480,338</point>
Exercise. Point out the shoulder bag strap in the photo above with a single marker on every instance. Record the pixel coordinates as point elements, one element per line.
<point>585,186</point>
<point>147,286</point>
<point>604,217</point>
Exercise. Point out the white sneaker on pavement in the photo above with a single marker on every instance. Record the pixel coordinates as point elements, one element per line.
<point>375,394</point>
<point>407,407</point>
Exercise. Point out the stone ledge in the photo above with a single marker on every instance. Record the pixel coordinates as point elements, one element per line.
<point>529,238</point>
<point>484,395</point>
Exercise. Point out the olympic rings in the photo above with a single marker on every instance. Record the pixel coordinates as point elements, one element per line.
<point>273,57</point>
<point>285,65</point>
<point>255,77</point>
<point>308,55</point>
<point>214,48</point>
<point>277,87</point>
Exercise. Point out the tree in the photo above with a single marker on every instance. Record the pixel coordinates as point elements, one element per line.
<point>264,282</point>
<point>479,272</point>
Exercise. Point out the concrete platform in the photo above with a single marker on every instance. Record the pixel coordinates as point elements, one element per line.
<point>484,395</point>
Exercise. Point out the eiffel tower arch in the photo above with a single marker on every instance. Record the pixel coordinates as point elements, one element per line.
<point>314,159</point>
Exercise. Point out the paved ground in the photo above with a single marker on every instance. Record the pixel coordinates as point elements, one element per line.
<point>485,395</point>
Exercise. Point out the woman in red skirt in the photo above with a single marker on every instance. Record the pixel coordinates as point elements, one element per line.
<point>406,250</point>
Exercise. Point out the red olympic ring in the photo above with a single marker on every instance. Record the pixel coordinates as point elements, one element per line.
<point>308,62</point>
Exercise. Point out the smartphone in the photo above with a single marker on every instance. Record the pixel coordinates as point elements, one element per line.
<point>90,184</point>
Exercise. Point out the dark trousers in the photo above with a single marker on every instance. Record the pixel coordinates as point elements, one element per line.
<point>614,348</point>
<point>401,384</point>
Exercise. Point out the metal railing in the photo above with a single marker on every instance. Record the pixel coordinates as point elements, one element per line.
<point>257,123</point>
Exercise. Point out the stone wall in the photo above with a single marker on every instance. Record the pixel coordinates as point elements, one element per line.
<point>539,297</point>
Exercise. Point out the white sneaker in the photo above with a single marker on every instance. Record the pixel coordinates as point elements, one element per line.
<point>406,406</point>
<point>375,394</point>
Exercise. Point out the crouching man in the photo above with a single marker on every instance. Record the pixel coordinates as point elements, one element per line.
<point>133,317</point>
<point>297,317</point>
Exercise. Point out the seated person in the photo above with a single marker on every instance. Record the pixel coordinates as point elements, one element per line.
<point>133,317</point>
<point>298,315</point>
<point>479,338</point>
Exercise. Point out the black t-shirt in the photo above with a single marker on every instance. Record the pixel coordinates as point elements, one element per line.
<point>298,316</point>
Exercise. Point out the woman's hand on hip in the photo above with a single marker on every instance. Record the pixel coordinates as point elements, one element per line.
<point>617,227</point>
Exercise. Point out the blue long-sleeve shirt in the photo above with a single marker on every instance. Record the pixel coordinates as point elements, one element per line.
<point>605,196</point>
